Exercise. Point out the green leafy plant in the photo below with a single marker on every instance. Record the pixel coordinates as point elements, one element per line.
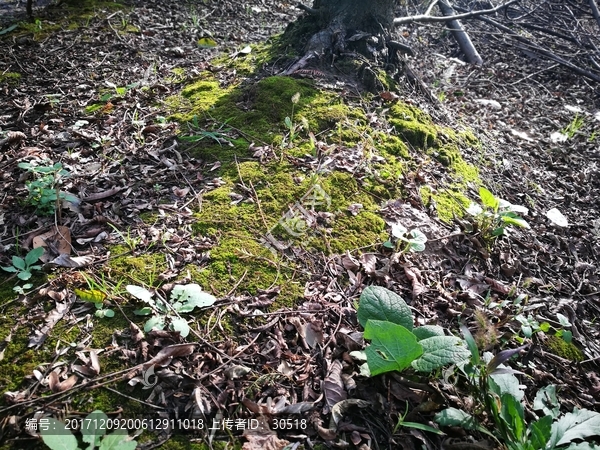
<point>56,435</point>
<point>499,394</point>
<point>183,299</point>
<point>395,344</point>
<point>290,124</point>
<point>218,134</point>
<point>44,190</point>
<point>406,241</point>
<point>573,127</point>
<point>24,266</point>
<point>96,297</point>
<point>495,215</point>
<point>530,326</point>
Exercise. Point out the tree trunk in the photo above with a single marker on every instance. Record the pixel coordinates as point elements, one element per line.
<point>368,16</point>
<point>348,26</point>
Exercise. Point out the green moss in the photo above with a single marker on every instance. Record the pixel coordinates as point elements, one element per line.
<point>143,269</point>
<point>567,350</point>
<point>413,125</point>
<point>448,202</point>
<point>11,78</point>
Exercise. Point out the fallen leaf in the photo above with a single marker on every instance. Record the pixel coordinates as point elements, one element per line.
<point>333,387</point>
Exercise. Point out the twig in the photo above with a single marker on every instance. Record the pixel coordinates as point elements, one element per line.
<point>308,9</point>
<point>425,18</point>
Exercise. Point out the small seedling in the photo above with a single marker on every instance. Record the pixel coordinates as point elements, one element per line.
<point>183,299</point>
<point>96,297</point>
<point>406,241</point>
<point>289,122</point>
<point>197,134</point>
<point>44,191</point>
<point>573,127</point>
<point>24,266</point>
<point>495,216</point>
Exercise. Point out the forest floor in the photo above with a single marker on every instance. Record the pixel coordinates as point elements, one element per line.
<point>147,203</point>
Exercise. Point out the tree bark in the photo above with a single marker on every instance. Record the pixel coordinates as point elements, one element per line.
<point>346,27</point>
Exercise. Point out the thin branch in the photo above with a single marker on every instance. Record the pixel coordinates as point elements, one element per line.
<point>308,9</point>
<point>425,18</point>
<point>547,53</point>
<point>595,11</point>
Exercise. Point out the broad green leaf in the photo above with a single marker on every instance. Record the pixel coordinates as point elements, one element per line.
<point>417,240</point>
<point>471,344</point>
<point>57,437</point>
<point>393,347</point>
<point>506,383</point>
<point>512,219</point>
<point>388,244</point>
<point>453,417</point>
<point>579,424</point>
<point>155,323</point>
<point>288,122</point>
<point>439,351</point>
<point>10,269</point>
<point>92,434</point>
<point>379,303</point>
<point>398,231</point>
<point>511,413</point>
<point>143,311</point>
<point>190,296</point>
<point>546,401</point>
<point>117,441</point>
<point>417,236</point>
<point>24,275</point>
<point>427,331</point>
<point>92,295</point>
<point>34,255</point>
<point>539,432</point>
<point>206,42</point>
<point>109,313</point>
<point>181,325</point>
<point>488,199</point>
<point>567,336</point>
<point>19,263</point>
<point>140,293</point>
<point>563,320</point>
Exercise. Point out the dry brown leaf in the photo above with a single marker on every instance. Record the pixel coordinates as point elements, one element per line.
<point>264,442</point>
<point>389,96</point>
<point>55,241</point>
<point>164,357</point>
<point>333,386</point>
<point>57,386</point>
<point>414,275</point>
<point>368,261</point>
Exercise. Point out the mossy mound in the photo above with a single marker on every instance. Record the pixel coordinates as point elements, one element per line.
<point>560,347</point>
<point>267,192</point>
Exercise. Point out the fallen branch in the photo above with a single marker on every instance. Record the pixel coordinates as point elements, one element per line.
<point>460,35</point>
<point>542,51</point>
<point>426,18</point>
<point>595,11</point>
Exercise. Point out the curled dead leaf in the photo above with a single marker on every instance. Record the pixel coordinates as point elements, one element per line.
<point>164,357</point>
<point>57,386</point>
